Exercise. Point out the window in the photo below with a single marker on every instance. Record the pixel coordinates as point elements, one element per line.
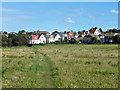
<point>35,37</point>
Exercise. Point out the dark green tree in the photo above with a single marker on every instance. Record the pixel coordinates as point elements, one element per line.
<point>66,40</point>
<point>21,32</point>
<point>72,41</point>
<point>4,40</point>
<point>94,39</point>
<point>9,41</point>
<point>4,32</point>
<point>117,39</point>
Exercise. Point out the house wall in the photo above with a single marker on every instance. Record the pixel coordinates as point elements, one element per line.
<point>71,35</point>
<point>97,32</point>
<point>34,41</point>
<point>57,38</point>
<point>42,39</point>
<point>51,40</point>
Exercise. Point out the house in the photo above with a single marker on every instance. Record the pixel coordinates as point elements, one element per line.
<point>37,39</point>
<point>47,38</point>
<point>70,35</point>
<point>58,37</point>
<point>65,35</point>
<point>94,31</point>
<point>41,32</point>
<point>109,37</point>
<point>51,39</point>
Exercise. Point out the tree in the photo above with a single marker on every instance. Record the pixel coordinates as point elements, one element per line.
<point>9,41</point>
<point>94,39</point>
<point>22,40</point>
<point>29,33</point>
<point>114,30</point>
<point>75,33</point>
<point>65,39</point>
<point>21,32</point>
<point>72,41</point>
<point>117,38</point>
<point>101,30</point>
<point>4,32</point>
<point>80,36</point>
<point>4,41</point>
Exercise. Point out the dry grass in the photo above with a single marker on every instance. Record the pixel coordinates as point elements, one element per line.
<point>63,66</point>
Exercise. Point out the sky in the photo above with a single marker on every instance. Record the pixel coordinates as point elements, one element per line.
<point>60,16</point>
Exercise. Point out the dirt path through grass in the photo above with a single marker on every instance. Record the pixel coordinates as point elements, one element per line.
<point>50,70</point>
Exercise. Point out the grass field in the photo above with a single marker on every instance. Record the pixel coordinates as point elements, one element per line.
<point>60,66</point>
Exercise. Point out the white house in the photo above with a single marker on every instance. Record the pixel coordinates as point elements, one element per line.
<point>58,37</point>
<point>55,37</point>
<point>51,38</point>
<point>37,39</point>
<point>95,31</point>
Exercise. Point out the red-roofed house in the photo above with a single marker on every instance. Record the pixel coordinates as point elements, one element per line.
<point>71,35</point>
<point>37,39</point>
<point>94,31</point>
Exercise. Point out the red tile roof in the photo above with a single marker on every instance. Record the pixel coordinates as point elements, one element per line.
<point>92,31</point>
<point>36,37</point>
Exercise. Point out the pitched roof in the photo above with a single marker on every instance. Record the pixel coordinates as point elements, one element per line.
<point>92,31</point>
<point>42,32</point>
<point>36,37</point>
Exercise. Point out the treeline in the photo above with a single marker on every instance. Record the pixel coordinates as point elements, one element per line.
<point>15,40</point>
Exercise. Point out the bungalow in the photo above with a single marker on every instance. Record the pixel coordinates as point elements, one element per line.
<point>37,39</point>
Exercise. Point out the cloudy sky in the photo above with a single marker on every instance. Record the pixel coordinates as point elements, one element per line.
<point>58,16</point>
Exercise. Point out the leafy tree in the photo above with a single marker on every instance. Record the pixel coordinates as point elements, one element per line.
<point>12,36</point>
<point>65,39</point>
<point>101,29</point>
<point>75,33</point>
<point>80,36</point>
<point>88,36</point>
<point>21,32</point>
<point>65,32</point>
<point>72,41</point>
<point>4,32</point>
<point>112,31</point>
<point>9,41</point>
<point>94,39</point>
<point>4,41</point>
<point>29,33</point>
<point>117,38</point>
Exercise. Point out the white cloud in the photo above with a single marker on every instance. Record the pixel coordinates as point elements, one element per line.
<point>114,11</point>
<point>69,20</point>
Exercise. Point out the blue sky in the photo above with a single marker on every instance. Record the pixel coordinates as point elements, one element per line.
<point>58,16</point>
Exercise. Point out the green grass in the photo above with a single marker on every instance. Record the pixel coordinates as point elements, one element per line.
<point>61,66</point>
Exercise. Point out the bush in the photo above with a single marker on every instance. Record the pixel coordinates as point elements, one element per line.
<point>72,41</point>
